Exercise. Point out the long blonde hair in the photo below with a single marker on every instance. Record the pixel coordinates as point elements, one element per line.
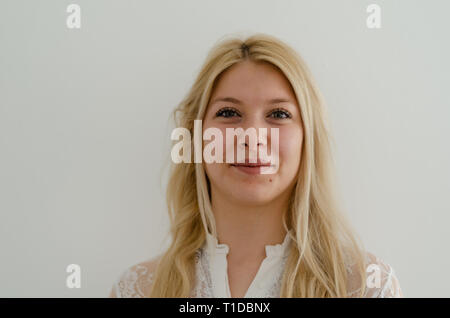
<point>324,241</point>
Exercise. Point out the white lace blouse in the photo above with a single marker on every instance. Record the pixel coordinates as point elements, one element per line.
<point>212,278</point>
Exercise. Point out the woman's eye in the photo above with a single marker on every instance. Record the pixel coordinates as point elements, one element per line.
<point>226,112</point>
<point>280,114</point>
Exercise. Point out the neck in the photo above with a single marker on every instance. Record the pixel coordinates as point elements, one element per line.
<point>246,228</point>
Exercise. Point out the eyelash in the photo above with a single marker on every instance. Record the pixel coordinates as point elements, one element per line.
<point>230,109</point>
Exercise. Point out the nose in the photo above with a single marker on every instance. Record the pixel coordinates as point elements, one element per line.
<point>247,144</point>
<point>257,129</point>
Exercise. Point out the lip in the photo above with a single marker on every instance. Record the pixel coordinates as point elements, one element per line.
<point>250,168</point>
<point>252,164</point>
<point>247,162</point>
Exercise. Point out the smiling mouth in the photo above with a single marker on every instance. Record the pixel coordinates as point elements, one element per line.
<point>251,165</point>
<point>252,168</point>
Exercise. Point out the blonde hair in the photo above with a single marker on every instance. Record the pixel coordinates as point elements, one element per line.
<point>324,241</point>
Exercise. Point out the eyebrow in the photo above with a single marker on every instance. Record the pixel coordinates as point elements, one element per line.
<point>237,101</point>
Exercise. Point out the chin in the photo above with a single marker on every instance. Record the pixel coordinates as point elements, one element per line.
<point>252,196</point>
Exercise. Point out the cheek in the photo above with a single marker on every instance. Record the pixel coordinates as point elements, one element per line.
<point>291,140</point>
<point>214,170</point>
<point>217,143</point>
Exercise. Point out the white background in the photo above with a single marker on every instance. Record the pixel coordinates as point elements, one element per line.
<point>85,130</point>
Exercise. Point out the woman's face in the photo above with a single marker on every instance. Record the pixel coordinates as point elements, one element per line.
<point>254,86</point>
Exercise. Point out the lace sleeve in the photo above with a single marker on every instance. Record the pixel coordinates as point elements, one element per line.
<point>134,282</point>
<point>381,280</point>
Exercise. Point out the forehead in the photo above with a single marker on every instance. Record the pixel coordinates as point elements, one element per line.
<point>253,82</point>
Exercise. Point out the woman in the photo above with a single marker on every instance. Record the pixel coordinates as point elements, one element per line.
<point>237,232</point>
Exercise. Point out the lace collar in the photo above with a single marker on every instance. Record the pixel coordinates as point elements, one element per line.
<point>212,246</point>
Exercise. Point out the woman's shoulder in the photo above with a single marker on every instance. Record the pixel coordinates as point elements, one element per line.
<point>136,280</point>
<point>381,279</point>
